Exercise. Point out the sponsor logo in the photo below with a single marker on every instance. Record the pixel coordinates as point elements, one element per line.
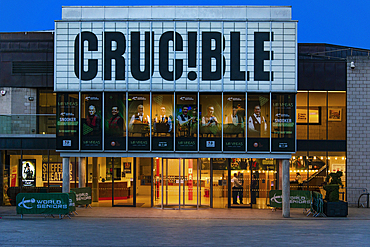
<point>23,203</point>
<point>67,143</point>
<point>210,144</point>
<point>283,145</point>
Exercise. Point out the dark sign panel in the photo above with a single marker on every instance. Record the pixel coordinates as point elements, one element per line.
<point>67,121</point>
<point>91,116</point>
<point>283,124</point>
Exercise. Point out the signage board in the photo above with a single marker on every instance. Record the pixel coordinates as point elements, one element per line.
<point>42,203</point>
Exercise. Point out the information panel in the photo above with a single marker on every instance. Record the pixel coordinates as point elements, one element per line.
<point>67,121</point>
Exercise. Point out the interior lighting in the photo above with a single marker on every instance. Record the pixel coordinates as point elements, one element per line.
<point>322,157</point>
<point>301,157</point>
<point>314,157</point>
<point>342,158</point>
<point>293,157</point>
<point>335,158</point>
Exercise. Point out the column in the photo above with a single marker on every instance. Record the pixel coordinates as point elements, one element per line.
<point>286,189</point>
<point>66,178</point>
<point>95,180</point>
<point>81,172</point>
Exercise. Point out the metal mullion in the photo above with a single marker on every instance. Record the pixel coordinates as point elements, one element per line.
<point>151,122</point>
<point>211,184</point>
<point>167,181</point>
<point>222,123</point>
<point>162,185</point>
<point>246,121</point>
<point>198,121</point>
<point>127,120</point>
<point>174,121</point>
<point>151,183</point>
<point>269,123</point>
<point>183,186</point>
<point>179,183</point>
<point>198,194</point>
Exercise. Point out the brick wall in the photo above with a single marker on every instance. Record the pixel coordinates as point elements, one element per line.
<point>358,126</point>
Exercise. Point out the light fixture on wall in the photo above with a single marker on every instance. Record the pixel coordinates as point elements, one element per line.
<point>353,65</point>
<point>3,92</point>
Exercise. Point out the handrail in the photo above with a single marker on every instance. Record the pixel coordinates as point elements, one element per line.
<point>363,194</point>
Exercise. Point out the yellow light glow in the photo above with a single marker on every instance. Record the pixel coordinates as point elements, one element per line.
<point>293,157</point>
<point>342,158</point>
<point>335,158</point>
<point>322,157</point>
<point>314,157</point>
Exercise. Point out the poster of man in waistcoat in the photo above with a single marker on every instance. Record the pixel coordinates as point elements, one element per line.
<point>258,112</point>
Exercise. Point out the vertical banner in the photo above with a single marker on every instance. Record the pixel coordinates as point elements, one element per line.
<point>28,171</point>
<point>67,121</point>
<point>139,121</point>
<point>115,121</point>
<point>91,117</point>
<point>258,125</point>
<point>283,124</point>
<point>234,122</point>
<point>186,122</point>
<point>210,122</point>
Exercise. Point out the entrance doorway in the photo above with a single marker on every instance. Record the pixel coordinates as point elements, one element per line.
<point>181,184</point>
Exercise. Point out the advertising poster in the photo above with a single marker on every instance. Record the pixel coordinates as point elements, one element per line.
<point>283,123</point>
<point>91,111</point>
<point>186,122</point>
<point>234,122</point>
<point>139,121</point>
<point>28,171</point>
<point>258,124</point>
<point>210,112</point>
<point>115,121</point>
<point>67,121</point>
<point>163,122</point>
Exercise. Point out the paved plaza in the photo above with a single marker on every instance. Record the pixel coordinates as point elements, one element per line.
<point>106,226</point>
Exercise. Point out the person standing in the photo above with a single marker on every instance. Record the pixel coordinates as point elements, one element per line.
<point>237,190</point>
<point>299,181</point>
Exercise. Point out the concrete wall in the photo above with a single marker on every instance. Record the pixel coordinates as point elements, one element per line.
<point>358,126</point>
<point>17,112</point>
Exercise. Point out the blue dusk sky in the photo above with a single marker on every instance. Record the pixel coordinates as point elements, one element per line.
<point>335,22</point>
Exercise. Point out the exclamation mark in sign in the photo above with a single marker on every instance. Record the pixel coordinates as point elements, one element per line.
<point>192,54</point>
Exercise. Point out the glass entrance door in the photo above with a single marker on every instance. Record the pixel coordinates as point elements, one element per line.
<point>181,184</point>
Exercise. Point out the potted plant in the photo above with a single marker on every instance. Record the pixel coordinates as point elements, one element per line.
<point>333,207</point>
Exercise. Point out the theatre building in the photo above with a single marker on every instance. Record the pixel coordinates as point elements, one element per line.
<point>171,107</point>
